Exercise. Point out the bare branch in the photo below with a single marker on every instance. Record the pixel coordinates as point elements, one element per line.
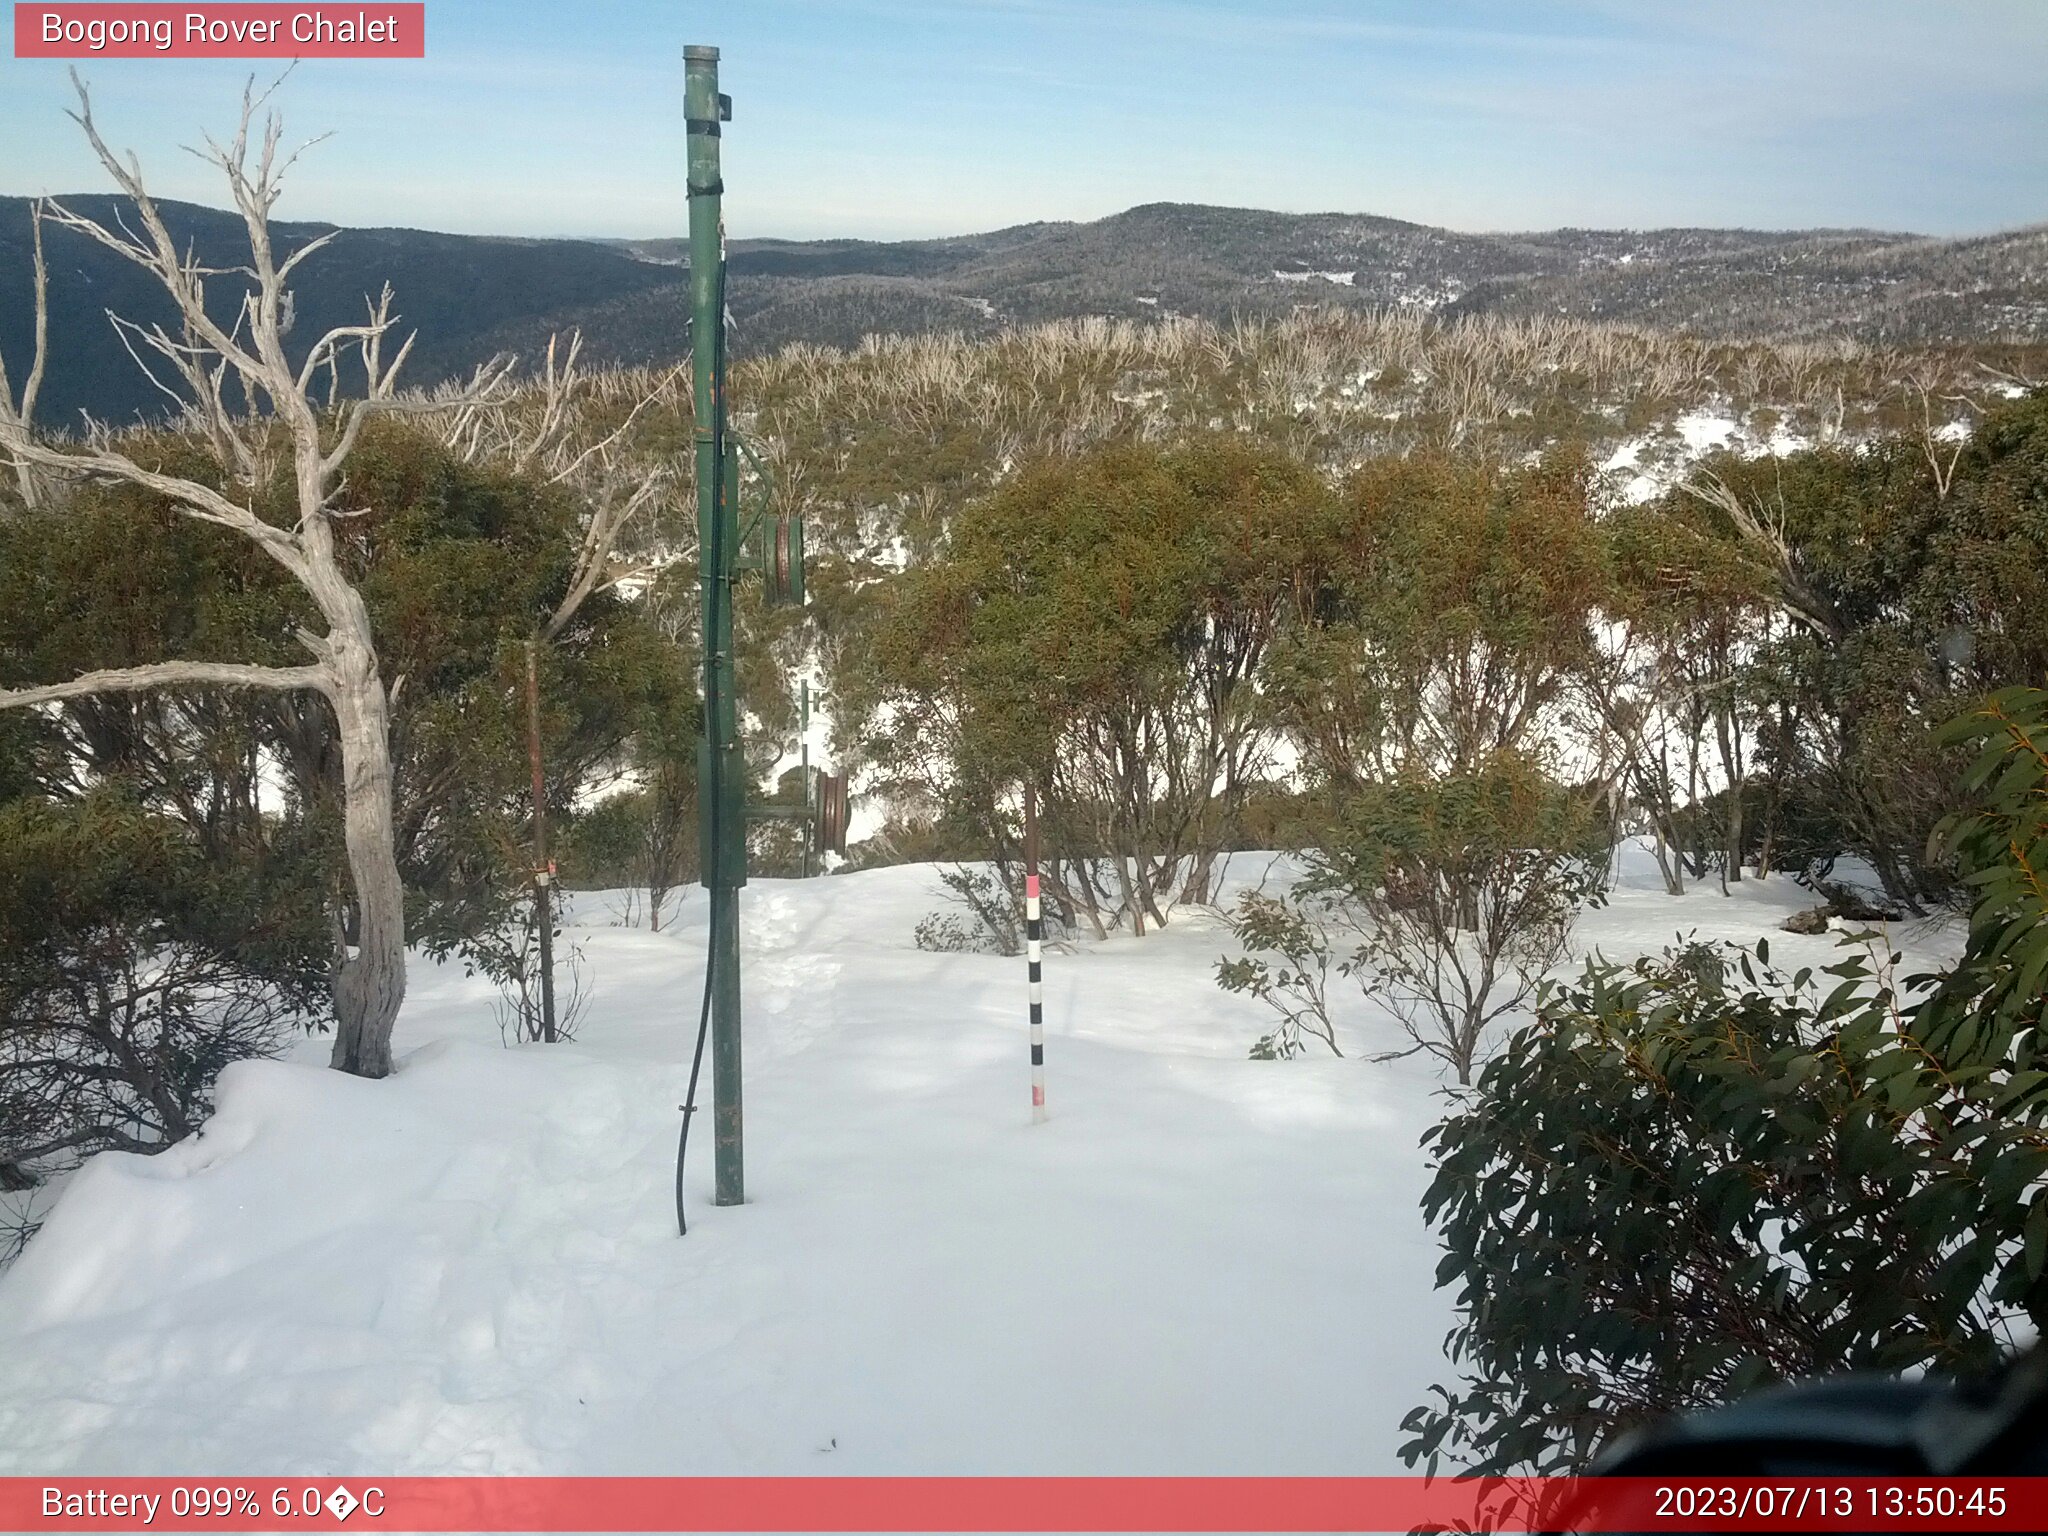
<point>318,243</point>
<point>558,387</point>
<point>484,387</point>
<point>327,349</point>
<point>604,445</point>
<point>1760,527</point>
<point>22,415</point>
<point>197,500</point>
<point>1931,437</point>
<point>2012,378</point>
<point>127,330</point>
<point>27,410</point>
<point>599,537</point>
<point>183,278</point>
<point>170,674</point>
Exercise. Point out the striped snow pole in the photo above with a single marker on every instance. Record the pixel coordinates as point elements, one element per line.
<point>1034,941</point>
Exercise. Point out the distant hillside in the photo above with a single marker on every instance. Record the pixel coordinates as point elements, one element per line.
<point>463,293</point>
<point>471,296</point>
<point>1869,285</point>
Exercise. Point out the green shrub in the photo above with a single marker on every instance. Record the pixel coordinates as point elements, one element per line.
<point>131,971</point>
<point>1445,900</point>
<point>1696,1174</point>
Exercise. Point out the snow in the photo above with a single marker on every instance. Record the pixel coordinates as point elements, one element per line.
<point>1705,429</point>
<point>1201,1265</point>
<point>603,786</point>
<point>1783,441</point>
<point>1640,485</point>
<point>1345,278</point>
<point>1643,467</point>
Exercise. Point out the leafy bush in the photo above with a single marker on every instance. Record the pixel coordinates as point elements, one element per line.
<point>1676,1185</point>
<point>943,933</point>
<point>1287,967</point>
<point>1456,896</point>
<point>510,955</point>
<point>995,916</point>
<point>131,972</point>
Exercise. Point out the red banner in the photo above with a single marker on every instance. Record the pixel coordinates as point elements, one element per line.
<point>1020,1504</point>
<point>215,31</point>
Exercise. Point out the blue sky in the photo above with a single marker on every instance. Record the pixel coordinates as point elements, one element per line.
<point>891,118</point>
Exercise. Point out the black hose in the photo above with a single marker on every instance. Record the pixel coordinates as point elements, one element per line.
<point>690,1098</point>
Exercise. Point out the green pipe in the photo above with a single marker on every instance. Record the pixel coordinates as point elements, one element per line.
<point>721,784</point>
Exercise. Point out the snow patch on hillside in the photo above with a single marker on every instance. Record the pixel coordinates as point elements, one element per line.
<point>1644,465</point>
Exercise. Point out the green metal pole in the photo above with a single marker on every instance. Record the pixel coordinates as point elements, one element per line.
<point>721,774</point>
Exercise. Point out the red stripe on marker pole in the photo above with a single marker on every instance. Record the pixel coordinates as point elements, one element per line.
<point>214,31</point>
<point>164,1504</point>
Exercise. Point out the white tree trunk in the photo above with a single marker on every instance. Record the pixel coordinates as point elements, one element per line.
<point>370,983</point>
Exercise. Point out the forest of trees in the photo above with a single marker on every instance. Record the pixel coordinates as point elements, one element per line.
<point>1358,587</point>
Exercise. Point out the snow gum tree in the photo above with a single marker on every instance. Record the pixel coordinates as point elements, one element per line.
<point>1452,604</point>
<point>1445,900</point>
<point>1898,590</point>
<point>1097,626</point>
<point>1686,613</point>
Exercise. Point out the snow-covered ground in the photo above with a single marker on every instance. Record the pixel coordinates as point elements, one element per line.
<point>1643,467</point>
<point>1201,1264</point>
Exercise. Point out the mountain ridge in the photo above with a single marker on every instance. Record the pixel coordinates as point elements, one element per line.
<point>472,295</point>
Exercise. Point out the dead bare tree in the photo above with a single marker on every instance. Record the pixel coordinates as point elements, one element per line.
<point>1942,445</point>
<point>19,416</point>
<point>561,440</point>
<point>217,363</point>
<point>2013,378</point>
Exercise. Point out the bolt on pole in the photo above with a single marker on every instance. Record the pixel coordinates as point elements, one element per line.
<point>721,776</point>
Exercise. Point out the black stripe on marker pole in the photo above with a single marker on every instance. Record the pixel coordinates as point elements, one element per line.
<point>1034,929</point>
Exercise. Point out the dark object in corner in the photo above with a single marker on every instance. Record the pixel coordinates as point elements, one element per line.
<point>1857,1425</point>
<point>1862,1425</point>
